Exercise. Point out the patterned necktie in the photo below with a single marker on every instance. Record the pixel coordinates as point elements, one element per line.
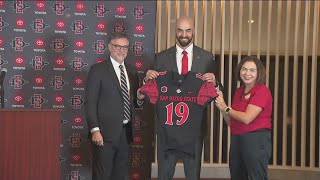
<point>184,67</point>
<point>125,95</point>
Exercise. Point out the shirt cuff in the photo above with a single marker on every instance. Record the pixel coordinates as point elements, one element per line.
<point>140,102</point>
<point>144,81</point>
<point>94,129</point>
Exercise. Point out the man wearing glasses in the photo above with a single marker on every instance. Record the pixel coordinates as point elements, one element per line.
<point>110,100</point>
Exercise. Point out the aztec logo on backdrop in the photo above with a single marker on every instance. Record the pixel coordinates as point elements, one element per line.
<point>78,27</point>
<point>2,62</point>
<point>38,63</point>
<point>100,10</point>
<point>59,7</point>
<point>38,25</point>
<point>77,64</point>
<point>19,6</point>
<point>37,101</point>
<point>58,45</point>
<point>74,175</point>
<point>76,102</point>
<point>17,81</point>
<point>19,44</point>
<point>139,12</point>
<point>2,24</point>
<point>57,82</point>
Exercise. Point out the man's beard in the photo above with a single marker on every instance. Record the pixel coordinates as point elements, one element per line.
<point>184,43</point>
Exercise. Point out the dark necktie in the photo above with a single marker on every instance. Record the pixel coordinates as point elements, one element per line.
<point>184,67</point>
<point>125,95</point>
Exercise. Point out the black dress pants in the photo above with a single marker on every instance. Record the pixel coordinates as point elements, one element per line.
<point>249,155</point>
<point>111,161</point>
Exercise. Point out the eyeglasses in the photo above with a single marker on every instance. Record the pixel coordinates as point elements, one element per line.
<point>119,47</point>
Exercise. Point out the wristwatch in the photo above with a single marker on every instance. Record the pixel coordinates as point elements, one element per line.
<point>227,110</point>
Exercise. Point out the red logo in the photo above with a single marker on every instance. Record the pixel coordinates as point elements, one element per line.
<point>75,157</point>
<point>59,61</point>
<point>19,60</point>
<point>164,89</point>
<point>138,63</point>
<point>39,43</point>
<point>41,5</point>
<point>1,3</point>
<point>18,98</point>
<point>20,23</point>
<point>135,175</point>
<point>99,60</point>
<point>78,81</point>
<point>137,139</point>
<point>101,26</point>
<point>38,80</point>
<point>1,41</point>
<point>78,43</point>
<point>80,6</point>
<point>139,28</point>
<point>59,98</point>
<point>77,120</point>
<point>60,24</point>
<point>121,9</point>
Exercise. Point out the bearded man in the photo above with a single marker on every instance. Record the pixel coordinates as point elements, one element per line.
<point>183,57</point>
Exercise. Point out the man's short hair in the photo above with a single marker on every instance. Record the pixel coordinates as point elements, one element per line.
<point>117,35</point>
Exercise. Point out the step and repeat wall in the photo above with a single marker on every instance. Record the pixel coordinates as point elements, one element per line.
<point>48,47</point>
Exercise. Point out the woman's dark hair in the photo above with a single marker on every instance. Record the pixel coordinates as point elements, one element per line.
<point>261,78</point>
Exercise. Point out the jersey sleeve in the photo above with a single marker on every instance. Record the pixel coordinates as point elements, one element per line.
<point>206,93</point>
<point>150,89</point>
<point>261,97</point>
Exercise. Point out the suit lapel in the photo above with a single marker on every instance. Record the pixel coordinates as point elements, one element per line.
<point>173,58</point>
<point>195,59</point>
<point>113,74</point>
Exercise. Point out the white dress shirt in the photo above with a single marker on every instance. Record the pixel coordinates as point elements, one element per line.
<point>179,56</point>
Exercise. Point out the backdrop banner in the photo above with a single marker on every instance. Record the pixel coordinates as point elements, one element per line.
<point>48,47</point>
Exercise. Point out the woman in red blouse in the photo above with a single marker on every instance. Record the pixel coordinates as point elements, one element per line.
<point>249,118</point>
